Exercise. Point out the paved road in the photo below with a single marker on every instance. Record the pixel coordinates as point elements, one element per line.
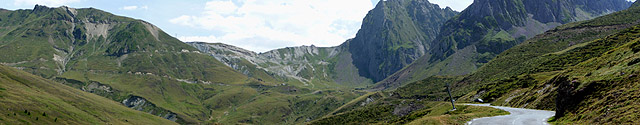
<point>518,116</point>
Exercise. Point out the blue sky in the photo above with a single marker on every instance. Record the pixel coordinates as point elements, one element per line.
<point>257,25</point>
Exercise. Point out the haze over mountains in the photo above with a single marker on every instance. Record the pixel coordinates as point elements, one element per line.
<point>562,55</point>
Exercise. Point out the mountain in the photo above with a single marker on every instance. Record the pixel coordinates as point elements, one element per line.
<point>308,66</point>
<point>586,71</point>
<point>488,27</point>
<point>124,57</point>
<point>393,35</point>
<point>29,99</point>
<point>137,64</point>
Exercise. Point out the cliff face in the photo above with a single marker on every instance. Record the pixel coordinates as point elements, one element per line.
<point>394,34</point>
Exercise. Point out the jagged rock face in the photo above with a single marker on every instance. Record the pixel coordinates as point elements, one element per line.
<point>394,34</point>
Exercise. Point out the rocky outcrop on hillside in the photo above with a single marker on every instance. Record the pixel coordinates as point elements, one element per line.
<point>141,104</point>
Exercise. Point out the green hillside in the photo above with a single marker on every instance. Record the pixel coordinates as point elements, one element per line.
<point>575,69</point>
<point>29,99</point>
<point>409,112</point>
<point>538,58</point>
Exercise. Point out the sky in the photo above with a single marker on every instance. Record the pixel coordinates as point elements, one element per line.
<point>257,25</point>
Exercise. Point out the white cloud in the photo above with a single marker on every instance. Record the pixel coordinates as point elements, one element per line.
<point>261,25</point>
<point>134,8</point>
<point>53,3</point>
<point>129,7</point>
<point>457,5</point>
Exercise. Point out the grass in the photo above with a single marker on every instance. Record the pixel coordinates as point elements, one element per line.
<point>462,115</point>
<point>430,113</point>
<point>583,83</point>
<point>605,84</point>
<point>550,52</point>
<point>34,100</point>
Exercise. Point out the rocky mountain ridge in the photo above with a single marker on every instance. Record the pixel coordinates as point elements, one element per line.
<point>489,27</point>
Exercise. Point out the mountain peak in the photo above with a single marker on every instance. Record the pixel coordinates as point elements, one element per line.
<point>41,8</point>
<point>394,34</point>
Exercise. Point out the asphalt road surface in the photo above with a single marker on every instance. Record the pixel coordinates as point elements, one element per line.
<point>518,116</point>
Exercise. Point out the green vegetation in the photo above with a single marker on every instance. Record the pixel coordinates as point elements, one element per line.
<point>417,90</point>
<point>409,104</point>
<point>34,100</point>
<point>579,81</point>
<point>596,86</point>
<point>546,55</point>
<point>426,112</point>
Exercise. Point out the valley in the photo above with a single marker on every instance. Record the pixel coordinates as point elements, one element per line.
<point>88,66</point>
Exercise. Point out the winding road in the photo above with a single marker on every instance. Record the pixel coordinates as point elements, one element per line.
<point>518,116</point>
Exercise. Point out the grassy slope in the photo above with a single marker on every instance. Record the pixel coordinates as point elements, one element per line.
<point>29,99</point>
<point>427,113</point>
<point>522,73</point>
<point>602,89</point>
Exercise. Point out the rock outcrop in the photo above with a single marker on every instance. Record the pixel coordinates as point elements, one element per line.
<point>141,104</point>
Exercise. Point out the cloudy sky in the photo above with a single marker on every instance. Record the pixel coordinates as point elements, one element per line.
<point>258,25</point>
